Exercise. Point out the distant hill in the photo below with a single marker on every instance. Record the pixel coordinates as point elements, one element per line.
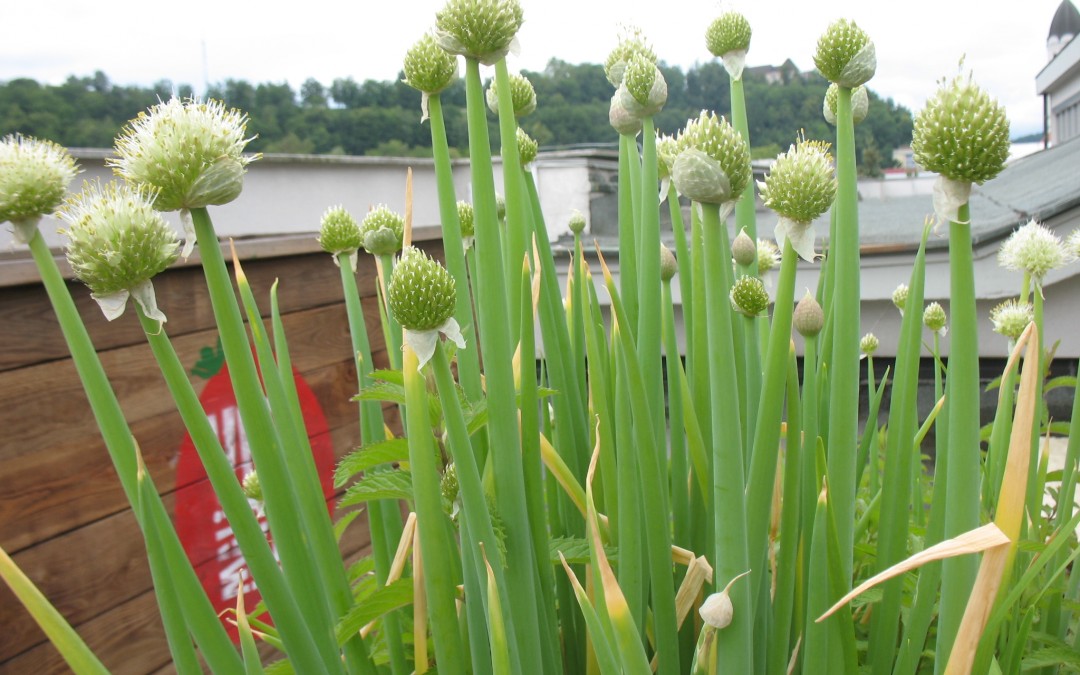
<point>381,117</point>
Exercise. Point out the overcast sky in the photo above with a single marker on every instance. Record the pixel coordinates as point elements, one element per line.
<point>199,41</point>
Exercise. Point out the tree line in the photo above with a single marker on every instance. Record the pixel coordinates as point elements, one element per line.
<point>383,117</point>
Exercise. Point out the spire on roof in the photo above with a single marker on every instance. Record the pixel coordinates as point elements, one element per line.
<point>1064,26</point>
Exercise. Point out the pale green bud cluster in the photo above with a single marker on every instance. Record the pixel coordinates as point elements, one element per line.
<point>667,148</point>
<point>191,152</point>
<point>34,177</point>
<point>252,487</point>
<point>645,84</point>
<point>800,184</point>
<point>382,230</point>
<point>962,133</point>
<point>117,240</point>
<point>934,317</point>
<point>900,296</point>
<point>869,344</point>
<point>713,165</point>
<point>668,265</point>
<point>743,249</point>
<point>421,293</point>
<point>339,232</point>
<point>632,43</point>
<point>1011,317</point>
<point>500,207</point>
<point>808,317</point>
<point>1073,243</point>
<point>527,147</point>
<point>728,33</point>
<point>428,67</point>
<point>748,296</point>
<point>466,217</point>
<point>1035,250</point>
<point>860,104</point>
<point>768,255</point>
<point>449,490</point>
<point>479,29</point>
<point>845,54</point>
<point>522,94</point>
<point>577,222</point>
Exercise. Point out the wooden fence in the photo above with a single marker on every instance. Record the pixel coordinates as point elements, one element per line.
<point>63,516</point>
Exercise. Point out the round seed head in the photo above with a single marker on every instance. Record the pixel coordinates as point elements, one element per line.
<point>808,317</point>
<point>845,54</point>
<point>730,32</point>
<point>449,489</point>
<point>252,487</point>
<point>421,292</point>
<point>748,295</point>
<point>900,296</point>
<point>800,184</point>
<point>768,255</point>
<point>527,147</point>
<point>1035,250</point>
<point>934,317</point>
<point>478,29</point>
<point>713,165</point>
<point>1072,243</point>
<point>743,249</point>
<point>428,67</point>
<point>962,133</point>
<point>868,344</point>
<point>466,218</point>
<point>577,222</point>
<point>668,265</point>
<point>522,94</point>
<point>622,118</point>
<point>190,152</point>
<point>34,177</point>
<point>667,149</point>
<point>631,43</point>
<point>382,231</point>
<point>116,238</point>
<point>860,104</point>
<point>339,232</point>
<point>645,85</point>
<point>1011,317</point>
<point>500,207</point>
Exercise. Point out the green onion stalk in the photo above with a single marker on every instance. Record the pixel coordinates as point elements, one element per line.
<point>341,236</point>
<point>845,55</point>
<point>963,135</point>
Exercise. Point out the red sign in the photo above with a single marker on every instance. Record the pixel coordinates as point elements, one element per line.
<point>200,522</point>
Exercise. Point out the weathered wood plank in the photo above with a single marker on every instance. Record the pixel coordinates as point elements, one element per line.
<point>58,476</point>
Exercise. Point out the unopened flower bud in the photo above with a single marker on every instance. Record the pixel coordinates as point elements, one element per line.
<point>500,207</point>
<point>845,54</point>
<point>478,29</point>
<point>466,216</point>
<point>717,610</point>
<point>800,187</point>
<point>667,149</point>
<point>748,295</point>
<point>860,104</point>
<point>117,243</point>
<point>422,297</point>
<point>743,249</point>
<point>527,147</point>
<point>382,231</point>
<point>34,177</point>
<point>962,133</point>
<point>623,119</point>
<point>934,317</point>
<point>449,488</point>
<point>577,222</point>
<point>1035,250</point>
<point>729,38</point>
<point>713,165</point>
<point>339,231</point>
<point>252,486</point>
<point>668,265</point>
<point>768,255</point>
<point>522,94</point>
<point>644,85</point>
<point>1073,243</point>
<point>900,296</point>
<point>868,344</point>
<point>1011,317</point>
<point>428,67</point>
<point>808,317</point>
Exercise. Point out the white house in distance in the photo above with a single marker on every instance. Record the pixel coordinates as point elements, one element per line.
<point>1059,81</point>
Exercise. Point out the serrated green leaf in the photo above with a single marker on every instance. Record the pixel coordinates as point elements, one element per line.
<point>370,456</point>
<point>282,667</point>
<point>382,391</point>
<point>576,550</point>
<point>386,599</point>
<point>391,376</point>
<point>395,484</point>
<point>1052,656</point>
<point>365,565</point>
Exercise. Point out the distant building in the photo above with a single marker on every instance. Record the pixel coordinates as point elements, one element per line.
<point>1059,81</point>
<point>781,74</point>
